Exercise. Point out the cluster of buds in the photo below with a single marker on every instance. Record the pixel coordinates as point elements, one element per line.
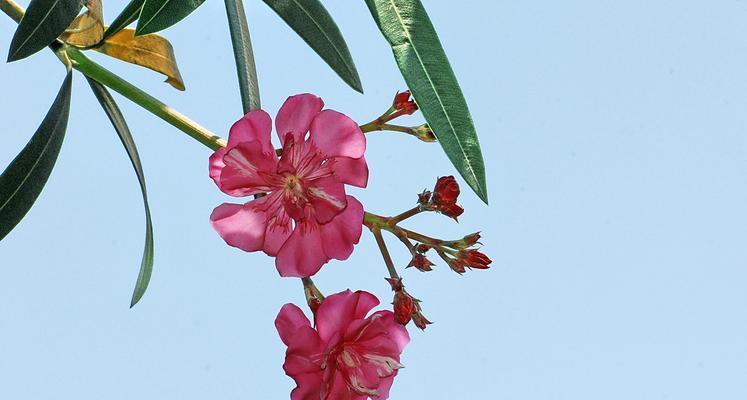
<point>403,104</point>
<point>443,198</point>
<point>406,307</point>
<point>458,254</point>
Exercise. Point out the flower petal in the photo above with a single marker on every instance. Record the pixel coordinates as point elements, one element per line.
<point>302,254</point>
<point>278,230</point>
<point>351,171</point>
<point>344,231</point>
<point>296,115</point>
<point>216,164</point>
<point>337,311</point>
<point>240,226</point>
<point>255,125</point>
<point>288,322</point>
<point>336,135</point>
<point>327,196</point>
<point>308,387</point>
<point>245,168</point>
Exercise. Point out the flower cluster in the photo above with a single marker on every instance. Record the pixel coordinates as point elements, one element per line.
<point>302,215</point>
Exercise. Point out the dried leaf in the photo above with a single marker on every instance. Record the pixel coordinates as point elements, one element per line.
<point>88,28</point>
<point>150,51</point>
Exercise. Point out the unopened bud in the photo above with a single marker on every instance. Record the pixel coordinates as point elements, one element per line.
<point>404,104</point>
<point>475,259</point>
<point>424,133</point>
<point>420,320</point>
<point>420,262</point>
<point>404,307</point>
<point>444,199</point>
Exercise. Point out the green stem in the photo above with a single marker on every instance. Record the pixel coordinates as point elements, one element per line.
<point>13,10</point>
<point>100,74</point>
<point>143,99</point>
<point>407,214</point>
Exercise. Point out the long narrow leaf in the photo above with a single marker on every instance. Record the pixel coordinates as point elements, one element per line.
<point>120,125</point>
<point>158,15</point>
<point>43,22</point>
<point>125,18</point>
<point>423,63</point>
<point>23,180</point>
<point>316,27</point>
<point>244,55</point>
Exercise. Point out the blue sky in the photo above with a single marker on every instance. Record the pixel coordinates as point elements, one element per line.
<point>614,137</point>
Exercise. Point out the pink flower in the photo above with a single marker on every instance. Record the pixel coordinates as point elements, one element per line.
<point>306,219</point>
<point>348,356</point>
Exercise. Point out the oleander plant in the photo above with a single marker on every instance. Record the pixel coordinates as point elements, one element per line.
<point>292,201</point>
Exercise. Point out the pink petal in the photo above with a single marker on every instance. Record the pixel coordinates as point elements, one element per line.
<point>308,387</point>
<point>351,171</point>
<point>245,169</point>
<point>385,385</point>
<point>342,232</point>
<point>296,115</point>
<point>336,135</point>
<point>278,230</point>
<point>255,125</point>
<point>304,353</point>
<point>340,309</point>
<point>240,226</point>
<point>216,164</point>
<point>289,320</point>
<point>302,254</point>
<point>327,196</point>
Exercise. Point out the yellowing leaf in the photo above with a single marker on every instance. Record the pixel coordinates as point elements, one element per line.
<point>88,28</point>
<point>150,51</point>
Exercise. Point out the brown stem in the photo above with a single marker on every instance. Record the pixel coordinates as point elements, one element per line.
<point>407,214</point>
<point>13,10</point>
<point>385,253</point>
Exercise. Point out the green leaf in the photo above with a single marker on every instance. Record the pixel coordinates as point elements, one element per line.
<point>423,63</point>
<point>130,13</point>
<point>120,125</point>
<point>43,22</point>
<point>158,15</point>
<point>313,23</point>
<point>23,180</point>
<point>244,55</point>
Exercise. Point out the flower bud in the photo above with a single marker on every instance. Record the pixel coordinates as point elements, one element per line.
<point>420,320</point>
<point>466,242</point>
<point>475,259</point>
<point>424,198</point>
<point>444,197</point>
<point>424,133</point>
<point>404,104</point>
<point>404,307</point>
<point>420,262</point>
<point>458,265</point>
<point>446,191</point>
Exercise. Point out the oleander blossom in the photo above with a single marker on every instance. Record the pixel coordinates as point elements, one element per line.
<point>306,218</point>
<point>348,356</point>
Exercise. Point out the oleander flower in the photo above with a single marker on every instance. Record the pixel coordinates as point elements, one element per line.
<point>306,217</point>
<point>348,356</point>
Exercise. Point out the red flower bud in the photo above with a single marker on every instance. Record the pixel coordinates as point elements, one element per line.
<point>446,191</point>
<point>404,307</point>
<point>420,320</point>
<point>453,211</point>
<point>396,284</point>
<point>421,263</point>
<point>458,265</point>
<point>404,104</point>
<point>422,248</point>
<point>475,259</point>
<point>445,195</point>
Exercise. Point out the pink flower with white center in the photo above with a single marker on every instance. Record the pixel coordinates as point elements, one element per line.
<point>348,356</point>
<point>306,218</point>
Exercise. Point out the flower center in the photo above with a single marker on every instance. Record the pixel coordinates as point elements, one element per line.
<point>293,186</point>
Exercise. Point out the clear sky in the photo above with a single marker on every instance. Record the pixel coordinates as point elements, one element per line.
<point>616,149</point>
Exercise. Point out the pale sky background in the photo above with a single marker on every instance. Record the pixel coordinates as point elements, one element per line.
<point>614,137</point>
